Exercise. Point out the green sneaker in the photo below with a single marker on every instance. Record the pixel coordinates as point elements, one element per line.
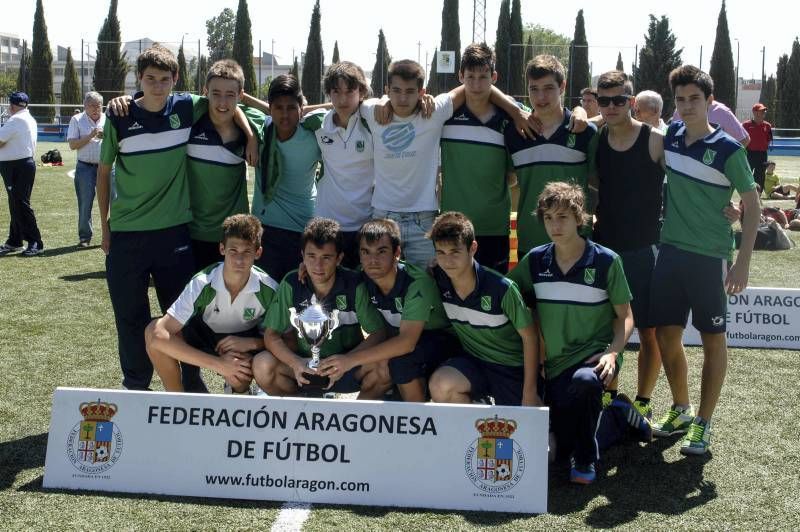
<point>698,439</point>
<point>644,409</point>
<point>606,399</point>
<point>674,422</point>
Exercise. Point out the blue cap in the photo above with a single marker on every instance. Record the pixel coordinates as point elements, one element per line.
<point>19,98</point>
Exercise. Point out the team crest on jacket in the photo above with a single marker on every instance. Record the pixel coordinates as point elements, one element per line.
<point>249,314</point>
<point>174,121</point>
<point>571,140</point>
<point>708,156</point>
<point>360,146</point>
<point>486,303</point>
<point>398,304</point>
<point>341,302</point>
<point>589,275</point>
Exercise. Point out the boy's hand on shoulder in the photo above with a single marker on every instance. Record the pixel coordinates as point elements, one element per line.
<point>578,121</point>
<point>524,125</point>
<point>119,105</point>
<point>384,112</point>
<point>427,105</point>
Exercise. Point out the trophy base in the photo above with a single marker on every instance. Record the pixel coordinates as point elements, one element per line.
<point>315,382</point>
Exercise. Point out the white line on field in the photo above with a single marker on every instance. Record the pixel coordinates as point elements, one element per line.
<point>292,517</point>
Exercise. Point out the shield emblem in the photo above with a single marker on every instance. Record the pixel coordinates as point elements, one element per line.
<point>341,302</point>
<point>588,275</point>
<point>174,121</point>
<point>360,146</point>
<point>571,140</point>
<point>249,314</point>
<point>486,303</point>
<point>398,304</point>
<point>708,156</point>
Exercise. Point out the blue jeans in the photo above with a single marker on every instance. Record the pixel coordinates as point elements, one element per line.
<point>85,184</point>
<point>417,249</point>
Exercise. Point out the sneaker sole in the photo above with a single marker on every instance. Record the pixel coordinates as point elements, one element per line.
<point>663,434</point>
<point>693,451</point>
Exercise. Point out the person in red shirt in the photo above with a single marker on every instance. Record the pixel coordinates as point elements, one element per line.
<point>760,132</point>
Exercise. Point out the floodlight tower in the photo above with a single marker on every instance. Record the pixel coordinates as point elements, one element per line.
<point>479,21</point>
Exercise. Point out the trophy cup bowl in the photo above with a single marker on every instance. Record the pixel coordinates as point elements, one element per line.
<point>314,325</point>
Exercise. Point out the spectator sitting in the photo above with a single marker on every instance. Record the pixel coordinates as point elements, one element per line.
<point>772,185</point>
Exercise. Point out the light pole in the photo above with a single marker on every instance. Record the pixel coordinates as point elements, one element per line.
<point>736,102</point>
<point>272,62</point>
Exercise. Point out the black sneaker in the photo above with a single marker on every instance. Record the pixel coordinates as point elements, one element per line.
<point>36,248</point>
<point>5,249</point>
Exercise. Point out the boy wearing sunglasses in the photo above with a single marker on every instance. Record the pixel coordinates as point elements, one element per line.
<point>628,172</point>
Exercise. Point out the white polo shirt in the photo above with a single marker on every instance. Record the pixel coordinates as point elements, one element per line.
<point>19,135</point>
<point>207,296</point>
<point>344,192</point>
<point>407,157</point>
<point>81,125</point>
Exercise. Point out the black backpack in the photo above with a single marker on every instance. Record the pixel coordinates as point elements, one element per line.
<point>52,156</point>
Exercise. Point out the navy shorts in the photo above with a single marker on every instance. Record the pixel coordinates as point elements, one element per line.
<point>504,383</point>
<point>433,348</point>
<point>638,265</point>
<point>199,335</point>
<point>684,281</point>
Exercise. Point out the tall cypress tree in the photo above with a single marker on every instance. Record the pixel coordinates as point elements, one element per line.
<point>41,90</point>
<point>335,59</point>
<point>791,89</point>
<point>381,69</point>
<point>529,54</point>
<point>295,70</point>
<point>183,74</point>
<point>722,70</point>
<point>767,96</point>
<point>314,60</point>
<point>451,41</point>
<point>657,58</point>
<point>517,53</point>
<point>502,48</point>
<point>24,74</point>
<point>780,90</point>
<point>620,64</point>
<point>433,76</point>
<point>110,66</point>
<point>202,72</point>
<point>70,87</point>
<point>243,46</point>
<point>578,76</point>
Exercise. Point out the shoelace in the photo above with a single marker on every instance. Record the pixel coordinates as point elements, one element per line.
<point>696,433</point>
<point>669,417</point>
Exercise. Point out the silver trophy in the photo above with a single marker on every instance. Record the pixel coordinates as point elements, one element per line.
<point>314,325</point>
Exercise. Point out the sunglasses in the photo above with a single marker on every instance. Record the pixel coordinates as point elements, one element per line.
<point>619,101</point>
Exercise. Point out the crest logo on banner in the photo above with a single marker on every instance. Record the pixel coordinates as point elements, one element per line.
<point>95,444</point>
<point>494,463</point>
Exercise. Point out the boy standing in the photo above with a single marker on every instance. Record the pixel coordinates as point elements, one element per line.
<point>704,166</point>
<point>555,155</point>
<point>214,323</point>
<point>499,355</point>
<point>412,311</point>
<point>279,371</point>
<point>406,162</point>
<point>216,166</point>
<point>628,174</point>
<point>475,163</point>
<point>582,303</point>
<point>145,224</point>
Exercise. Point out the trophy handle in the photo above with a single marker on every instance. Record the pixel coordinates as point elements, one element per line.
<point>294,320</point>
<point>333,322</point>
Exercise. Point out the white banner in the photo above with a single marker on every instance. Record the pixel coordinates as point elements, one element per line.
<point>460,457</point>
<point>445,62</point>
<point>758,317</point>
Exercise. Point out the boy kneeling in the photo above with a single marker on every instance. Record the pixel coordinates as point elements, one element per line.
<point>279,371</point>
<point>582,300</point>
<point>214,324</point>
<point>499,355</point>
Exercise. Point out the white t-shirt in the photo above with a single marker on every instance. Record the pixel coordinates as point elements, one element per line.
<point>81,125</point>
<point>344,192</point>
<point>19,135</point>
<point>407,157</point>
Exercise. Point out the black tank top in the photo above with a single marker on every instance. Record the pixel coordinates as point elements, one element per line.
<point>630,188</point>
